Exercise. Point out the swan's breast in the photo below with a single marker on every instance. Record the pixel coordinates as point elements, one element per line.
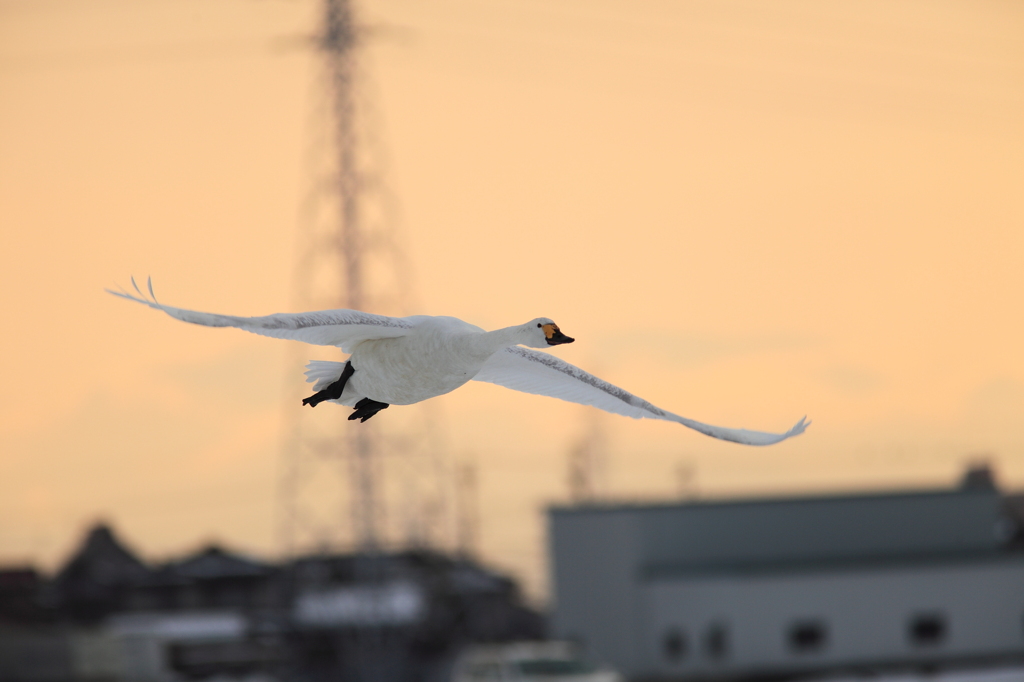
<point>430,362</point>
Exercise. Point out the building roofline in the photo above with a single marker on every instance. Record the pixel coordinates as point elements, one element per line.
<point>816,498</point>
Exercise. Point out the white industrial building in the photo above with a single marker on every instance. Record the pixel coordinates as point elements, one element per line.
<point>767,588</point>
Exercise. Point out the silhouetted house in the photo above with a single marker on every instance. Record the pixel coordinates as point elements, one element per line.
<point>29,649</point>
<point>453,598</point>
<point>399,616</point>
<point>772,587</point>
<point>489,606</point>
<point>21,596</point>
<point>101,578</point>
<point>213,578</point>
<point>110,617</point>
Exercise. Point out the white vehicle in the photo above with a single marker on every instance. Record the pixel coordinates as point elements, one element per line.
<point>529,662</point>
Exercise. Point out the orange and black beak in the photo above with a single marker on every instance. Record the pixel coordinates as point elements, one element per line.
<point>555,336</point>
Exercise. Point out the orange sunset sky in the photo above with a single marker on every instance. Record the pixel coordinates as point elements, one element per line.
<point>743,211</point>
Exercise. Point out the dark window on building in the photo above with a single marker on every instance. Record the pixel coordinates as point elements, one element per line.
<point>716,641</point>
<point>807,636</point>
<point>927,629</point>
<point>673,644</point>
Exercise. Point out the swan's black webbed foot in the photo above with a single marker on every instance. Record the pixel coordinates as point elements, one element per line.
<point>332,392</point>
<point>366,408</point>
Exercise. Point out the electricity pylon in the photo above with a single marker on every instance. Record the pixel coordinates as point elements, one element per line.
<point>348,258</point>
<point>588,461</point>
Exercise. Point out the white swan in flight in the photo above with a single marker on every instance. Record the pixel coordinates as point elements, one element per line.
<point>403,360</point>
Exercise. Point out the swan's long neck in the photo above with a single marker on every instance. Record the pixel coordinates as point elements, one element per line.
<point>492,342</point>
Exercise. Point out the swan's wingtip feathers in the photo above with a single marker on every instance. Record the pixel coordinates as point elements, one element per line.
<point>141,298</point>
<point>799,427</point>
<point>121,294</point>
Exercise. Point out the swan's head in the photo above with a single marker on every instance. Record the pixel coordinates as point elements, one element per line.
<point>543,332</point>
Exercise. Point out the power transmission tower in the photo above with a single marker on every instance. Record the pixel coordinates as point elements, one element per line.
<point>588,461</point>
<point>467,504</point>
<point>333,469</point>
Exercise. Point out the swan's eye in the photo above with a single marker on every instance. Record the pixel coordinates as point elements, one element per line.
<point>538,325</point>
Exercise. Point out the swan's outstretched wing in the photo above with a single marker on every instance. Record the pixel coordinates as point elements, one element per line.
<point>341,327</point>
<point>533,372</point>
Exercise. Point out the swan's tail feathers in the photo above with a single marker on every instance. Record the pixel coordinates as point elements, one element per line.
<point>323,373</point>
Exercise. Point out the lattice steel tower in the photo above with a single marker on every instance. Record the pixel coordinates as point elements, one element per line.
<point>348,258</point>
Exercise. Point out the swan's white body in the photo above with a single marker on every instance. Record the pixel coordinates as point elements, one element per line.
<point>405,360</point>
<point>438,355</point>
